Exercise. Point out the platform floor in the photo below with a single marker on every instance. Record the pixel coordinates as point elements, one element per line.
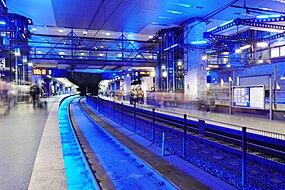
<point>20,136</point>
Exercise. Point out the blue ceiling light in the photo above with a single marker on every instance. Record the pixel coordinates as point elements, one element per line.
<point>188,6</point>
<point>268,16</point>
<point>198,42</point>
<point>175,12</point>
<point>167,18</point>
<point>226,23</point>
<point>173,46</point>
<point>2,22</point>
<point>3,2</point>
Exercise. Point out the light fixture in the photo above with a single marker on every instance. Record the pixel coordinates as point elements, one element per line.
<point>188,6</point>
<point>30,64</point>
<point>2,22</point>
<point>167,18</point>
<point>175,12</point>
<point>237,50</point>
<point>245,47</point>
<point>204,57</point>
<point>61,53</point>
<point>152,73</point>
<point>260,61</point>
<point>150,37</point>
<point>262,44</point>
<point>268,16</point>
<point>179,62</point>
<point>164,74</point>
<point>17,52</point>
<point>198,42</point>
<point>25,60</point>
<point>61,30</point>
<point>101,54</point>
<point>85,32</point>
<point>108,33</point>
<point>163,67</point>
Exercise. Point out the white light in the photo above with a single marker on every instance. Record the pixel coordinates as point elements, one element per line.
<point>108,33</point>
<point>82,53</point>
<point>198,42</point>
<point>164,74</point>
<point>61,30</point>
<point>260,61</point>
<point>228,65</point>
<point>34,29</point>
<point>152,73</point>
<point>101,54</point>
<point>238,51</point>
<point>25,60</point>
<point>17,52</point>
<point>245,47</point>
<point>61,53</point>
<point>85,32</point>
<point>150,37</point>
<point>204,57</point>
<point>163,67</point>
<point>179,63</point>
<point>128,75</point>
<point>175,12</point>
<point>30,64</point>
<point>262,44</point>
<point>226,23</point>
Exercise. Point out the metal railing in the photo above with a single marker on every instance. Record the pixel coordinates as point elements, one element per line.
<point>227,153</point>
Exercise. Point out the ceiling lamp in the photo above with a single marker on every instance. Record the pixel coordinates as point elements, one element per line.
<point>84,32</point>
<point>108,33</point>
<point>198,42</point>
<point>262,44</point>
<point>245,47</point>
<point>17,52</point>
<point>237,50</point>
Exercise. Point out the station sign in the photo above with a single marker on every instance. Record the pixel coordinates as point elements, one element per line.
<point>42,71</point>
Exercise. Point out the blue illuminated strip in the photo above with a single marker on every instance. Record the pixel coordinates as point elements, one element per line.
<point>2,22</point>
<point>268,16</point>
<point>4,3</point>
<point>198,42</point>
<point>173,46</point>
<point>226,23</point>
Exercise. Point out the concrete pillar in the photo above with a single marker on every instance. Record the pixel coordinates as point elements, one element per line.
<point>195,79</point>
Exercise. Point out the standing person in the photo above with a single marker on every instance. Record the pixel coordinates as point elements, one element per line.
<point>34,92</point>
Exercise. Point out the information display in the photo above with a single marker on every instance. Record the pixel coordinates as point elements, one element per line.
<point>249,96</point>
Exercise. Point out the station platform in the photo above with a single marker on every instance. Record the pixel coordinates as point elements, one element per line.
<point>220,119</point>
<point>31,152</point>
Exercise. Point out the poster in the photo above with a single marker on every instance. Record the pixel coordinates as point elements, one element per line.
<point>249,96</point>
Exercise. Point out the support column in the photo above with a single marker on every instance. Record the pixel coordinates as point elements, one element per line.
<point>195,80</point>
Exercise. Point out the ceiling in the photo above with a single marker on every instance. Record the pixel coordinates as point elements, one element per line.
<point>132,16</point>
<point>135,19</point>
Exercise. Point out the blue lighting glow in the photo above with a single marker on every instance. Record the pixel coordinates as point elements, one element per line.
<point>173,46</point>
<point>198,42</point>
<point>175,12</point>
<point>226,23</point>
<point>4,3</point>
<point>212,29</point>
<point>2,22</point>
<point>268,16</point>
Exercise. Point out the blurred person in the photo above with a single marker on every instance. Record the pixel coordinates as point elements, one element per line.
<point>35,92</point>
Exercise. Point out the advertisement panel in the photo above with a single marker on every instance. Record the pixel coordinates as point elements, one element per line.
<point>249,96</point>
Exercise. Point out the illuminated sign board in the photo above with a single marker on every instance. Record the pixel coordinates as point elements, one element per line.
<point>40,72</point>
<point>249,96</point>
